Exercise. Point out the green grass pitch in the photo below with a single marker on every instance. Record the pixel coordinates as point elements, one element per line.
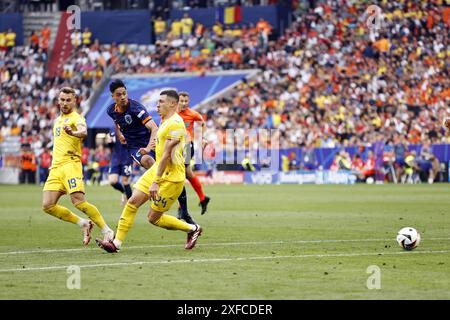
<point>259,242</point>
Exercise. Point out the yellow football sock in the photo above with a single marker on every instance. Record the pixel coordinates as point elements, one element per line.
<point>92,212</point>
<point>62,213</point>
<point>171,223</point>
<point>126,221</point>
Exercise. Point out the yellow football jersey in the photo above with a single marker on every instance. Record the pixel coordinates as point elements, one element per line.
<point>172,128</point>
<point>66,148</point>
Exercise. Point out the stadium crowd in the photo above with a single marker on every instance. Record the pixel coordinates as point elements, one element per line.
<point>328,81</point>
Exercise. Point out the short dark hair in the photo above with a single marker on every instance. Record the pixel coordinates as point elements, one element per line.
<point>67,90</point>
<point>116,84</point>
<point>183,93</point>
<point>171,93</point>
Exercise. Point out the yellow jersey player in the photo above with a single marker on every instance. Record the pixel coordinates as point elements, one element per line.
<point>66,174</point>
<point>163,182</point>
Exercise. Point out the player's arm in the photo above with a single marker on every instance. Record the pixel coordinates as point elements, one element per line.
<point>165,159</point>
<point>120,135</point>
<point>81,131</point>
<point>150,125</point>
<point>199,118</point>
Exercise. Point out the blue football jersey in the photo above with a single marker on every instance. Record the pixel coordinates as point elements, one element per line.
<point>132,123</point>
<point>120,152</point>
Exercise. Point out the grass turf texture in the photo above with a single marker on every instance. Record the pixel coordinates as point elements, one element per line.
<point>259,242</point>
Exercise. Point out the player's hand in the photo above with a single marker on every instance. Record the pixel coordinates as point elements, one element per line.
<point>153,191</point>
<point>153,144</point>
<point>68,130</point>
<point>144,151</point>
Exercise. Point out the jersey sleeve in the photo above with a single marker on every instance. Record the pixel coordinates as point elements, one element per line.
<point>142,114</point>
<point>176,131</point>
<point>80,121</point>
<point>197,116</point>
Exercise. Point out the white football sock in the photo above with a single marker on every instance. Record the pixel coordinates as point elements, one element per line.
<point>106,229</point>
<point>82,222</point>
<point>117,243</point>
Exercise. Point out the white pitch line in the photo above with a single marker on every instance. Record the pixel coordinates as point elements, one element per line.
<point>211,245</point>
<point>213,260</point>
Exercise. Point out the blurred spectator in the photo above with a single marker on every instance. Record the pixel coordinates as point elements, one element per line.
<point>389,161</point>
<point>159,26</point>
<point>86,36</point>
<point>369,166</point>
<point>342,161</point>
<point>246,164</point>
<point>176,29</point>
<point>429,165</point>
<point>45,37</point>
<point>76,38</point>
<point>400,149</point>
<point>411,169</point>
<point>293,163</point>
<point>102,157</point>
<point>187,26</point>
<point>34,41</point>
<point>309,160</point>
<point>44,165</point>
<point>85,161</point>
<point>10,39</point>
<point>27,165</point>
<point>199,30</point>
<point>2,41</point>
<point>284,163</point>
<point>358,168</point>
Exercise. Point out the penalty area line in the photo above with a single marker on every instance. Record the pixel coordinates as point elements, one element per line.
<point>215,260</point>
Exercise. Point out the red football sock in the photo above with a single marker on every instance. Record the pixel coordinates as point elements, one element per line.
<point>195,182</point>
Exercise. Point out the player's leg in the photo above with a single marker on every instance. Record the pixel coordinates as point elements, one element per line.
<point>196,184</point>
<point>50,205</point>
<point>183,212</point>
<point>73,181</point>
<point>54,188</point>
<point>113,179</point>
<point>194,181</point>
<point>126,221</point>
<point>168,192</point>
<point>79,201</point>
<point>126,179</point>
<point>146,160</point>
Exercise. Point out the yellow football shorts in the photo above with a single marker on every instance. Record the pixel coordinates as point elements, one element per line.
<point>168,191</point>
<point>67,178</point>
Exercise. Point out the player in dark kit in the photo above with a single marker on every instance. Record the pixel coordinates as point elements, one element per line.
<point>134,126</point>
<point>121,166</point>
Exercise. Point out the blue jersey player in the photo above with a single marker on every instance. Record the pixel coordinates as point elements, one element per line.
<point>134,126</point>
<point>121,165</point>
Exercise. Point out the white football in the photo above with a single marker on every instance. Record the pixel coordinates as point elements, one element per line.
<point>408,238</point>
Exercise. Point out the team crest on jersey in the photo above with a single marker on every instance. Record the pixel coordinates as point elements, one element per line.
<point>128,119</point>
